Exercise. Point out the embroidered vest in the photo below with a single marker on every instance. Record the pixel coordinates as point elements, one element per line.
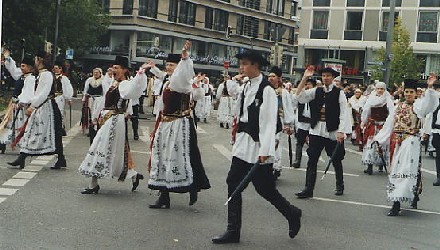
<point>405,120</point>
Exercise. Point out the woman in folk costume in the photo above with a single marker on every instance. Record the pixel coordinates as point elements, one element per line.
<point>176,164</point>
<point>203,106</point>
<point>226,104</point>
<point>356,103</point>
<point>43,131</point>
<point>93,100</point>
<point>402,131</point>
<point>109,155</point>
<point>375,112</point>
<point>63,90</point>
<point>14,117</point>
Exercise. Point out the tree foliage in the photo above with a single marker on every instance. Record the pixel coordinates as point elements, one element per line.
<point>404,63</point>
<point>81,23</point>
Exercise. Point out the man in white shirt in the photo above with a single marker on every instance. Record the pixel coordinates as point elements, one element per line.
<point>328,126</point>
<point>255,142</point>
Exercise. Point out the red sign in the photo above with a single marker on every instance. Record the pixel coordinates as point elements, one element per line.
<point>226,64</point>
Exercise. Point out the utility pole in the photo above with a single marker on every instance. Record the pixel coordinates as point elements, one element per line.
<point>389,42</point>
<point>57,20</point>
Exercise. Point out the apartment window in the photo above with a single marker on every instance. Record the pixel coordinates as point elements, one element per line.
<point>427,27</point>
<point>252,4</point>
<point>429,3</point>
<point>321,2</point>
<point>187,13</point>
<point>292,37</point>
<point>148,8</point>
<point>247,26</point>
<point>353,28</point>
<point>386,3</point>
<point>209,17</point>
<point>272,31</point>
<point>127,7</point>
<point>294,8</point>
<point>275,7</point>
<point>220,20</point>
<point>172,12</point>
<point>355,3</point>
<point>105,5</point>
<point>384,25</point>
<point>320,25</point>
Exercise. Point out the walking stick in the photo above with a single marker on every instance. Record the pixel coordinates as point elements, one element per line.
<point>244,182</point>
<point>289,140</point>
<point>70,115</point>
<point>14,120</point>
<point>331,159</point>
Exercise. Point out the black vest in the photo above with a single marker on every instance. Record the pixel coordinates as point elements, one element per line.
<point>95,91</point>
<point>434,118</point>
<point>301,117</point>
<point>332,109</point>
<point>252,127</point>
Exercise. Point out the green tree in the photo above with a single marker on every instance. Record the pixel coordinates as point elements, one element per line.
<point>404,63</point>
<point>81,24</point>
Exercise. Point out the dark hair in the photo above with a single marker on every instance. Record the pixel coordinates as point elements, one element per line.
<point>312,81</point>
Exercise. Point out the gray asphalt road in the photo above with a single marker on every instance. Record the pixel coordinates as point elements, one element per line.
<point>46,210</point>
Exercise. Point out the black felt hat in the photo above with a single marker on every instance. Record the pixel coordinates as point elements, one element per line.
<point>174,58</point>
<point>29,60</point>
<point>41,54</point>
<point>330,70</point>
<point>122,61</point>
<point>253,56</point>
<point>411,84</point>
<point>276,70</point>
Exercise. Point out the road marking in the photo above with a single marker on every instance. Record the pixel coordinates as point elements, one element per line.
<point>40,162</point>
<point>24,175</point>
<point>7,191</point>
<point>16,182</point>
<point>223,150</point>
<point>2,200</point>
<point>374,205</point>
<point>353,151</point>
<point>320,171</point>
<point>200,130</point>
<point>304,153</point>
<point>33,168</point>
<point>429,171</point>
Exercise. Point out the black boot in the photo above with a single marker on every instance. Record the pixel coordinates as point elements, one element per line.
<point>298,155</point>
<point>294,221</point>
<point>394,211</point>
<point>2,148</point>
<point>227,126</point>
<point>162,202</point>
<point>369,169</point>
<point>276,174</point>
<point>136,182</point>
<point>339,174</point>
<point>232,234</point>
<point>437,182</point>
<point>221,125</point>
<point>339,190</point>
<point>381,169</point>
<point>135,135</point>
<point>61,162</point>
<point>19,162</point>
<point>307,192</point>
<point>437,166</point>
<point>193,194</point>
<point>414,202</point>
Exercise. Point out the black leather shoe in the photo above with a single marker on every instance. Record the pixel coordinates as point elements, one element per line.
<point>304,194</point>
<point>276,174</point>
<point>18,163</point>
<point>61,163</point>
<point>136,182</point>
<point>296,164</point>
<point>2,148</point>
<point>136,136</point>
<point>394,211</point>
<point>192,197</point>
<point>228,237</point>
<point>94,190</point>
<point>227,126</point>
<point>436,183</point>
<point>162,202</point>
<point>414,202</point>
<point>221,125</point>
<point>294,222</point>
<point>369,170</point>
<point>339,190</point>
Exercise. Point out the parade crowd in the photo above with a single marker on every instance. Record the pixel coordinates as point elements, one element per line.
<point>388,123</point>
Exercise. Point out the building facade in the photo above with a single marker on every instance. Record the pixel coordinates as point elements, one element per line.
<point>350,32</point>
<point>150,29</point>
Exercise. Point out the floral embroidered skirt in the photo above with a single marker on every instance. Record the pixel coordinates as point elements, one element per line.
<point>224,113</point>
<point>176,163</point>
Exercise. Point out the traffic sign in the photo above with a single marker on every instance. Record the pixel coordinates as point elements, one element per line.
<point>69,54</point>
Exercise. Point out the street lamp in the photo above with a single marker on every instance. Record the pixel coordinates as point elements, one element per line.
<point>57,20</point>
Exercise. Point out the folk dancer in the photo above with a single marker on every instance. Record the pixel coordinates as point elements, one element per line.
<point>375,111</point>
<point>225,107</point>
<point>175,164</point>
<point>109,155</point>
<point>356,103</point>
<point>432,128</point>
<point>203,107</point>
<point>286,115</point>
<point>15,113</point>
<point>255,142</point>
<point>63,90</point>
<point>43,129</point>
<point>401,130</point>
<point>302,123</point>
<point>328,126</point>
